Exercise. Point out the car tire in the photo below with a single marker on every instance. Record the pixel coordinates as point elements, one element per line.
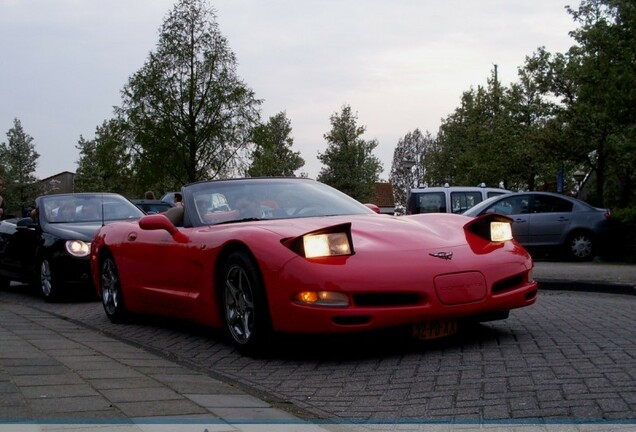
<point>580,246</point>
<point>245,311</point>
<point>5,283</point>
<point>111,293</point>
<point>46,282</point>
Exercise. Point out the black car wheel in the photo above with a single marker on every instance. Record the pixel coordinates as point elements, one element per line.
<point>49,287</point>
<point>580,246</point>
<point>4,283</point>
<point>244,304</point>
<point>112,297</point>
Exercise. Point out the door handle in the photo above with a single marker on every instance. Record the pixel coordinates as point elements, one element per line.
<point>132,236</point>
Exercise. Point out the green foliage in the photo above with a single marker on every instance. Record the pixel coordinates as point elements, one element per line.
<point>19,162</point>
<point>273,155</point>
<point>350,165</point>
<point>596,81</point>
<point>414,148</point>
<point>624,243</point>
<point>188,115</point>
<point>571,111</point>
<point>105,162</point>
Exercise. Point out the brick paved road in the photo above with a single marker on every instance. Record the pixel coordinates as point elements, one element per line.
<point>570,356</point>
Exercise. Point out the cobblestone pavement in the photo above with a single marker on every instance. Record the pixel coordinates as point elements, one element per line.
<point>571,356</point>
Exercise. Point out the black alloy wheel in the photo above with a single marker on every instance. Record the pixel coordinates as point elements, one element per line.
<point>245,310</point>
<point>4,283</point>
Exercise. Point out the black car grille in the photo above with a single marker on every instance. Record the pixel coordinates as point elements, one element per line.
<point>509,283</point>
<point>387,299</point>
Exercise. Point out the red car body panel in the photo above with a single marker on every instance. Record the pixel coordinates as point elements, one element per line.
<point>400,273</point>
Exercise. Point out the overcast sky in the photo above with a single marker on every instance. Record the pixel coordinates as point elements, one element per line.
<point>400,64</point>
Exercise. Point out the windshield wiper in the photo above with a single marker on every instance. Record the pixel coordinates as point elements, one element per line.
<point>250,219</point>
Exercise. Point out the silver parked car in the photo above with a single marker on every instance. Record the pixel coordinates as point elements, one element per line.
<point>544,220</point>
<point>448,199</point>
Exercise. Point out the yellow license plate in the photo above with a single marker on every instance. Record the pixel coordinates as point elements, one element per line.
<point>434,329</point>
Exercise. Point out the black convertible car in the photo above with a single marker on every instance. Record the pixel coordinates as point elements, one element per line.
<point>51,249</point>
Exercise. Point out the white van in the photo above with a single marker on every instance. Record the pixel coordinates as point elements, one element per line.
<point>448,199</point>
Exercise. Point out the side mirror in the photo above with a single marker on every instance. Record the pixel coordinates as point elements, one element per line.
<point>161,222</point>
<point>373,207</point>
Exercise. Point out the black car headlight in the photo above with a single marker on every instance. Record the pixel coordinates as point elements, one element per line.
<point>78,248</point>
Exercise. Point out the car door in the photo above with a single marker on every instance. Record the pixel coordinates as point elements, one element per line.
<point>550,217</point>
<point>164,272</point>
<point>19,248</point>
<point>516,207</point>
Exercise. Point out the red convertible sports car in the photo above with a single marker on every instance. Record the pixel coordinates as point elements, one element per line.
<point>261,256</point>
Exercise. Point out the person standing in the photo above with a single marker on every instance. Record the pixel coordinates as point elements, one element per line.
<point>178,199</point>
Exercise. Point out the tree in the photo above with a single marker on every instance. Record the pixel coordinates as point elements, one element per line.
<point>19,160</point>
<point>605,73</point>
<point>349,163</point>
<point>500,136</point>
<point>474,143</point>
<point>409,168</point>
<point>189,115</point>
<point>272,155</point>
<point>594,82</point>
<point>105,162</point>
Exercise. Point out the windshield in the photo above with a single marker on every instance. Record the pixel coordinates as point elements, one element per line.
<point>256,199</point>
<point>87,208</point>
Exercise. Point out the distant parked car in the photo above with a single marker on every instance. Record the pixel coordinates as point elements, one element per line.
<point>448,199</point>
<point>152,206</point>
<point>544,220</point>
<point>51,249</point>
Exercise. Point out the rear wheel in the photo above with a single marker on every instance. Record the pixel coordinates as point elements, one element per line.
<point>580,246</point>
<point>244,303</point>
<point>112,297</point>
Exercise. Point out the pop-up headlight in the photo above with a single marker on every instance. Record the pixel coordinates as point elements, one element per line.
<point>321,245</point>
<point>326,242</point>
<point>500,231</point>
<point>491,227</point>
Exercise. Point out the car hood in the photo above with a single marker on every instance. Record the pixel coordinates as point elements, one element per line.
<point>391,232</point>
<point>74,231</point>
